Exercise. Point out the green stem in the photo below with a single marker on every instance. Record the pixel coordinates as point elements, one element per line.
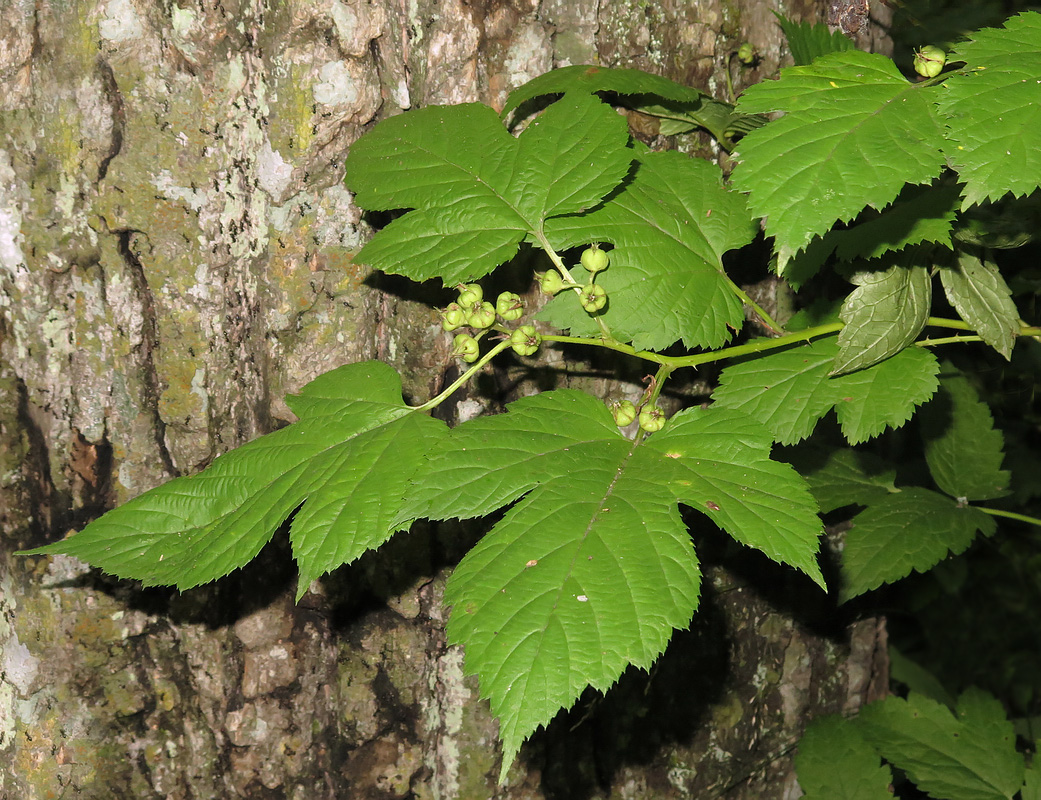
<point>947,340</point>
<point>558,262</point>
<point>766,318</point>
<point>439,399</point>
<point>998,512</point>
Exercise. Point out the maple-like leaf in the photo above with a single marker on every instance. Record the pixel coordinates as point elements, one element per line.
<point>475,190</point>
<point>669,230</point>
<point>854,132</point>
<point>835,762</point>
<point>346,465</point>
<point>789,390</point>
<point>966,755</point>
<point>992,111</point>
<point>592,568</point>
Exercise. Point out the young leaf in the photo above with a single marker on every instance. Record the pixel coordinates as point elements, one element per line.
<point>963,449</point>
<point>853,134</point>
<point>670,228</point>
<point>476,190</point>
<point>971,756</point>
<point>788,391</point>
<point>835,762</point>
<point>592,568</point>
<point>884,314</point>
<point>992,110</point>
<point>910,530</point>
<point>587,79</point>
<point>982,298</point>
<point>808,42</point>
<point>345,465</point>
<point>842,477</point>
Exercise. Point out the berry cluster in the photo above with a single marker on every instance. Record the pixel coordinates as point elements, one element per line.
<point>471,310</point>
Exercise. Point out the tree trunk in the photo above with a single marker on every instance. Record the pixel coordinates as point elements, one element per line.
<point>175,257</point>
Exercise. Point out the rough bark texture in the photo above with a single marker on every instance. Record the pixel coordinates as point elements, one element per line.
<point>175,256</point>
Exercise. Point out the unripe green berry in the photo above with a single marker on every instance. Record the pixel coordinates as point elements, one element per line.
<point>550,282</point>
<point>652,419</point>
<point>470,294</point>
<point>746,53</point>
<point>593,298</point>
<point>466,347</point>
<point>594,259</point>
<point>624,412</point>
<point>929,61</point>
<point>453,317</point>
<point>481,316</point>
<point>525,340</point>
<point>509,306</point>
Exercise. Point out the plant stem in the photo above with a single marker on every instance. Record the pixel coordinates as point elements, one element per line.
<point>558,262</point>
<point>998,512</point>
<point>436,401</point>
<point>767,320</point>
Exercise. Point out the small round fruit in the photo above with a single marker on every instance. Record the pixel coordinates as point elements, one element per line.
<point>929,61</point>
<point>470,294</point>
<point>525,340</point>
<point>652,419</point>
<point>746,54</point>
<point>593,297</point>
<point>482,316</point>
<point>594,259</point>
<point>550,282</point>
<point>508,305</point>
<point>624,412</point>
<point>453,317</point>
<point>466,347</point>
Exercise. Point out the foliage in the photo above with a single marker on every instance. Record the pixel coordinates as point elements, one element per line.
<point>866,176</point>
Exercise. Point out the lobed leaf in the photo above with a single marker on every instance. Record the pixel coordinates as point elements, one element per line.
<point>476,191</point>
<point>835,762</point>
<point>884,314</point>
<point>962,448</point>
<point>971,756</point>
<point>853,134</point>
<point>913,529</point>
<point>789,390</point>
<point>992,111</point>
<point>346,465</point>
<point>670,229</point>
<point>982,298</point>
<point>592,567</point>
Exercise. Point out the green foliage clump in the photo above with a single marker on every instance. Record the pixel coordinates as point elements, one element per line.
<point>866,178</point>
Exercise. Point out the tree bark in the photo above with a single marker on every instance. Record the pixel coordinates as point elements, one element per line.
<point>176,256</point>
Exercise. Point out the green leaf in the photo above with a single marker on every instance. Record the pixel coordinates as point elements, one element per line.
<point>477,191</point>
<point>346,465</point>
<point>1032,783</point>
<point>592,568</point>
<point>788,391</point>
<point>670,229</point>
<point>963,449</point>
<point>982,298</point>
<point>835,762</point>
<point>919,215</point>
<point>587,79</point>
<point>917,678</point>
<point>884,314</point>
<point>971,756</point>
<point>992,110</point>
<point>840,477</point>
<point>808,42</point>
<point>910,530</point>
<point>853,134</point>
